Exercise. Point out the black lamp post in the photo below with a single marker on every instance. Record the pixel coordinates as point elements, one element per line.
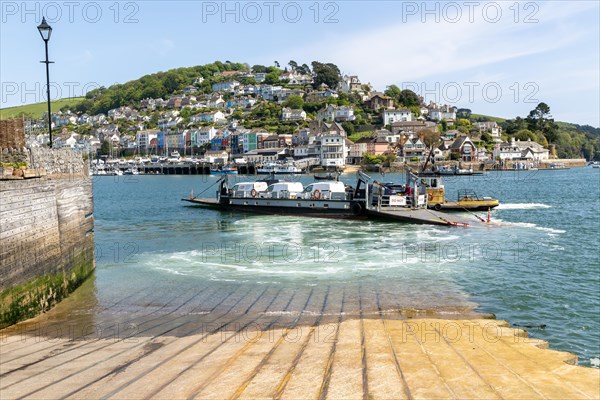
<point>45,31</point>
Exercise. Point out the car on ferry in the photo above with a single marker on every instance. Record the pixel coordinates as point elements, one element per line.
<point>248,189</point>
<point>283,190</point>
<point>333,190</point>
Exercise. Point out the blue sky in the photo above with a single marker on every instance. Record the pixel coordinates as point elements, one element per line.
<point>498,58</point>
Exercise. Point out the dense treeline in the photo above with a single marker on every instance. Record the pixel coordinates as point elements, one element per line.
<point>570,140</point>
<point>161,84</point>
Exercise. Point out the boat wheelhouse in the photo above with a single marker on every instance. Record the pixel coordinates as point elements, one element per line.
<point>467,199</point>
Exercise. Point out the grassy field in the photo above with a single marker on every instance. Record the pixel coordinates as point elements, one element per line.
<point>37,109</point>
<point>494,119</point>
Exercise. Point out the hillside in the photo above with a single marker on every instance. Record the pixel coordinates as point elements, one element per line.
<point>481,117</point>
<point>37,109</point>
<point>570,140</point>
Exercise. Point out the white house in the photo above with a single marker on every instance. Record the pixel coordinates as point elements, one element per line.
<point>228,86</point>
<point>268,92</point>
<point>414,149</point>
<point>333,150</point>
<point>263,155</point>
<point>349,84</point>
<point>288,114</point>
<point>391,116</point>
<point>143,138</point>
<point>167,123</point>
<point>335,113</point>
<point>516,150</point>
<point>217,156</point>
<point>214,117</point>
<point>388,136</point>
<point>205,134</point>
<point>293,77</point>
<point>444,112</point>
<point>215,101</point>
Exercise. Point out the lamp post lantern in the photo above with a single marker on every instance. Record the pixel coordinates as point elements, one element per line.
<point>45,32</point>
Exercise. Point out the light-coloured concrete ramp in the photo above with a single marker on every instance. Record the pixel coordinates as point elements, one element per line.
<point>241,356</point>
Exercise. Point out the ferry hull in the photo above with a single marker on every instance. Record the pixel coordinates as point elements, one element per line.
<point>462,206</point>
<point>339,209</point>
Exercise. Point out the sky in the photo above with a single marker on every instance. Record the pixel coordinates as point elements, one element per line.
<point>497,58</point>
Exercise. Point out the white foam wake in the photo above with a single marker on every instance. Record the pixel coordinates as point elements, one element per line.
<point>521,206</point>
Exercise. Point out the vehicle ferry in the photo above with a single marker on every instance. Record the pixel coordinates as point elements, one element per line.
<point>331,199</point>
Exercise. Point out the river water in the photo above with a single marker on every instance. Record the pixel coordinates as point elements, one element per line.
<point>536,265</point>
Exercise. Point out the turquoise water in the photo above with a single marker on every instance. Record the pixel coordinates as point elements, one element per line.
<point>538,264</point>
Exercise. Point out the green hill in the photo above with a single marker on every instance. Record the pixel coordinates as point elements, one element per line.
<point>37,109</point>
<point>481,117</point>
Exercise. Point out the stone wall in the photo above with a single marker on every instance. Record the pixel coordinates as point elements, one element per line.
<point>12,133</point>
<point>46,235</point>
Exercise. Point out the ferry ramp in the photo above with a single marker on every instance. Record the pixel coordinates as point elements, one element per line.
<point>283,344</point>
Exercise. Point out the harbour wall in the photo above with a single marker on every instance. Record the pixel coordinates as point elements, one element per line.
<point>46,230</point>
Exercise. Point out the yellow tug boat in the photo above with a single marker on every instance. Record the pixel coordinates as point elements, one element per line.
<point>467,199</point>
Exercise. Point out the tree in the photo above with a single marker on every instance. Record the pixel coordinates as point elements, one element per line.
<point>105,148</point>
<point>512,126</point>
<point>537,116</point>
<point>444,124</point>
<point>259,69</point>
<point>486,137</point>
<point>305,69</point>
<point>294,102</point>
<point>539,119</point>
<point>293,64</point>
<point>272,78</point>
<point>463,113</point>
<point>525,134</point>
<point>430,137</point>
<point>328,74</point>
<point>393,91</point>
<point>348,127</point>
<point>408,98</point>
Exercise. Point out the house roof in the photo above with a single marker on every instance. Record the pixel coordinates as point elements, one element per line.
<point>459,142</point>
<point>408,123</point>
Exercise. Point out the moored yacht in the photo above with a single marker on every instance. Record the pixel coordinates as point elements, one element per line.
<point>279,168</point>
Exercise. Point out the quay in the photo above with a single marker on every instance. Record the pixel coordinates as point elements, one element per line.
<point>281,344</point>
<point>182,168</point>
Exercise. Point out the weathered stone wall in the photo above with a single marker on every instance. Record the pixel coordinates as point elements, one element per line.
<point>46,235</point>
<point>12,133</point>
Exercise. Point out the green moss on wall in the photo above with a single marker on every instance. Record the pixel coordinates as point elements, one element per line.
<point>40,294</point>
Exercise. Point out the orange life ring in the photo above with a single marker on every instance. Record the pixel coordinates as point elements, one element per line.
<point>317,194</point>
<point>253,193</point>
